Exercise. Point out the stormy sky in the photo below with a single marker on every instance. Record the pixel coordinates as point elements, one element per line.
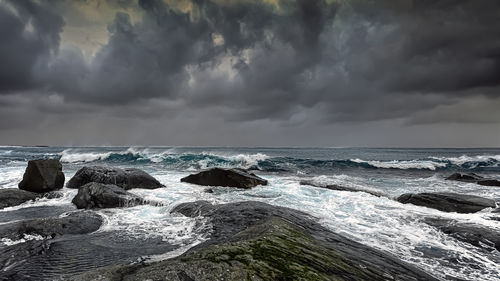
<point>417,73</point>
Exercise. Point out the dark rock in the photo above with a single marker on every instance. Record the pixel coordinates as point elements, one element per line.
<point>42,175</point>
<point>13,197</point>
<point>470,177</point>
<point>209,190</point>
<point>98,195</point>
<point>489,182</point>
<point>474,178</point>
<point>35,254</point>
<point>124,178</point>
<point>477,235</point>
<point>79,222</point>
<point>343,188</point>
<point>448,202</point>
<point>257,241</point>
<point>225,177</point>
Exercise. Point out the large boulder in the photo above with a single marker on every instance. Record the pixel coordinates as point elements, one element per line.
<point>480,236</point>
<point>12,197</point>
<point>474,178</point>
<point>42,175</point>
<point>448,202</point>
<point>257,241</point>
<point>124,178</point>
<point>98,195</point>
<point>225,177</point>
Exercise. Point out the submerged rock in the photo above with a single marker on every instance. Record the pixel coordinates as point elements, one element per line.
<point>448,202</point>
<point>257,241</point>
<point>476,235</point>
<point>124,178</point>
<point>343,188</point>
<point>474,178</point>
<point>12,197</point>
<point>79,222</point>
<point>98,195</point>
<point>225,177</point>
<point>42,175</point>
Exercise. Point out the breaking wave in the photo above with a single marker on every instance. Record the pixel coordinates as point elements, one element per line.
<point>259,161</point>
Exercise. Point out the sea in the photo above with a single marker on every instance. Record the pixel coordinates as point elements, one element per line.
<point>149,233</point>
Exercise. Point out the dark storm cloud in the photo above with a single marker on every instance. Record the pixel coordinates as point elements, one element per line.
<point>29,36</point>
<point>292,62</point>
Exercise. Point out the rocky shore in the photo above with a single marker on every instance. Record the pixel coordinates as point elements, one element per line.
<point>246,241</point>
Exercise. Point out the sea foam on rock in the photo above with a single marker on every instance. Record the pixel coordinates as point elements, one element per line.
<point>124,178</point>
<point>225,177</point>
<point>43,175</point>
<point>448,202</point>
<point>477,235</point>
<point>257,241</point>
<point>98,195</point>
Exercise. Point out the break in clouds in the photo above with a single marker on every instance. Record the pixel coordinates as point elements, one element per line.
<point>206,72</point>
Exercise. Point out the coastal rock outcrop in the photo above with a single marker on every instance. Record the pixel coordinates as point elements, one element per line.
<point>343,188</point>
<point>124,178</point>
<point>448,202</point>
<point>98,195</point>
<point>474,178</point>
<point>476,235</point>
<point>257,241</point>
<point>225,177</point>
<point>12,197</point>
<point>79,222</point>
<point>42,175</point>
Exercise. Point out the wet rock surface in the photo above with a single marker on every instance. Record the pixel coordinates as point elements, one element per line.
<point>225,177</point>
<point>42,175</point>
<point>124,178</point>
<point>448,202</point>
<point>343,188</point>
<point>97,195</point>
<point>257,241</point>
<point>12,197</point>
<point>474,178</point>
<point>479,236</point>
<point>79,222</point>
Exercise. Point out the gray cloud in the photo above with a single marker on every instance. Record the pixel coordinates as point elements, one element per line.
<point>307,62</point>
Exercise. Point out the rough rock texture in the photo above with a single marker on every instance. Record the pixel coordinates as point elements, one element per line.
<point>225,177</point>
<point>74,223</point>
<point>471,177</point>
<point>343,188</point>
<point>479,236</point>
<point>256,241</point>
<point>42,175</point>
<point>47,231</point>
<point>98,195</point>
<point>448,202</point>
<point>13,197</point>
<point>124,178</point>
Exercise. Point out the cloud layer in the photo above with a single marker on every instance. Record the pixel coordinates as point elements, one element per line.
<point>281,65</point>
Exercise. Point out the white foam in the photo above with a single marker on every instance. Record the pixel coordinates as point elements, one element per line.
<point>467,159</point>
<point>403,164</point>
<point>26,237</point>
<point>148,222</point>
<point>72,156</point>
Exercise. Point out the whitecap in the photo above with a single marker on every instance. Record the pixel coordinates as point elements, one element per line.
<point>403,164</point>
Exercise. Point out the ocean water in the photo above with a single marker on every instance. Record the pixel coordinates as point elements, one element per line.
<point>152,233</point>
